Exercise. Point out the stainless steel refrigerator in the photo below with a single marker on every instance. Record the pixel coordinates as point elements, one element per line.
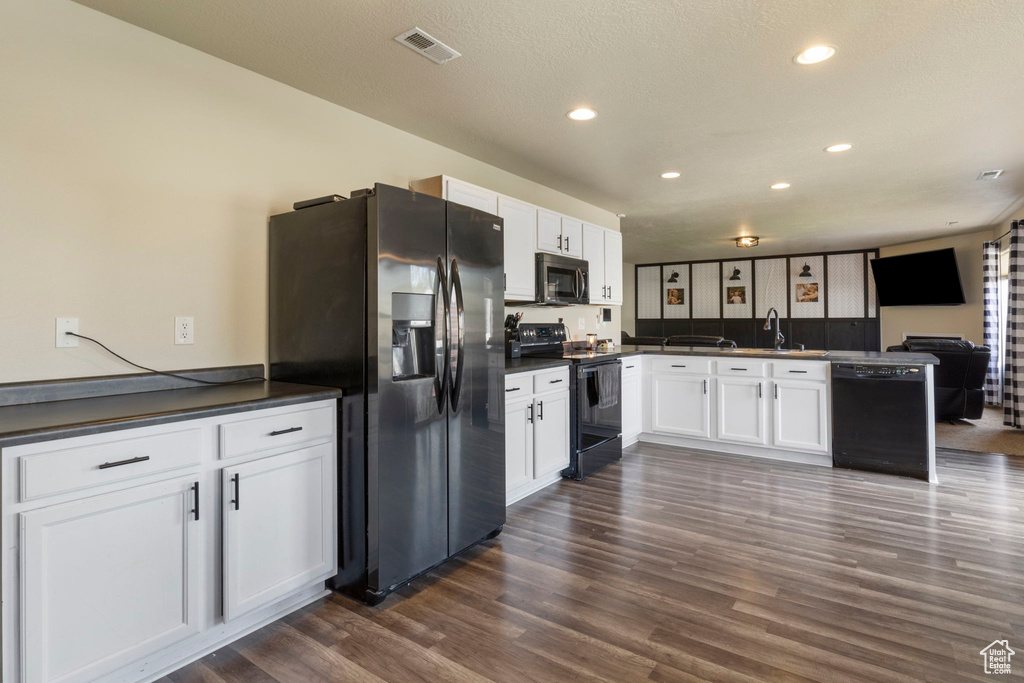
<point>396,297</point>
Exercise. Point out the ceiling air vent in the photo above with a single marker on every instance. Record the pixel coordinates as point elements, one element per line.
<point>428,46</point>
<point>990,175</point>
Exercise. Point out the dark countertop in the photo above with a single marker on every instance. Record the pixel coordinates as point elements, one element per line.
<point>862,357</point>
<point>48,420</point>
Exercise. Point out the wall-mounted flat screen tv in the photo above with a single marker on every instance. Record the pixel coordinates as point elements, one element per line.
<point>927,278</point>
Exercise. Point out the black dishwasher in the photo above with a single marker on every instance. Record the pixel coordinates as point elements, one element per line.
<point>880,419</point>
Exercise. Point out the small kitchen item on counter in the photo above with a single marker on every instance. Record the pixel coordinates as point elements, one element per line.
<point>605,345</point>
<point>592,341</point>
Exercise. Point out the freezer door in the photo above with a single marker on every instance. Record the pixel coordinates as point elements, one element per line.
<point>407,477</point>
<point>476,441</point>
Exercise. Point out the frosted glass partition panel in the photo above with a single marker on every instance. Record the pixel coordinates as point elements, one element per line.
<point>770,287</point>
<point>648,292</point>
<point>872,297</point>
<point>737,292</point>
<point>846,285</point>
<point>807,287</point>
<point>676,291</point>
<point>706,296</point>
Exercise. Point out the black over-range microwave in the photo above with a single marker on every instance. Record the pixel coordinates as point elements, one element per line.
<point>562,281</point>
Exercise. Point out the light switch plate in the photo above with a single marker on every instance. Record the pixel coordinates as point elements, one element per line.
<point>66,325</point>
<point>582,323</point>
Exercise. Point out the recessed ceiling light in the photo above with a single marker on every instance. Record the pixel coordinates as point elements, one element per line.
<point>990,175</point>
<point>622,215</point>
<point>668,175</point>
<point>841,147</point>
<point>952,222</point>
<point>780,186</point>
<point>813,55</point>
<point>582,114</point>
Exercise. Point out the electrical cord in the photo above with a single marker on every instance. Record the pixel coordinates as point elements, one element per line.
<point>161,372</point>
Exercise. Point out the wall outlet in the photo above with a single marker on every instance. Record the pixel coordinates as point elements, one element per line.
<point>184,330</point>
<point>66,325</point>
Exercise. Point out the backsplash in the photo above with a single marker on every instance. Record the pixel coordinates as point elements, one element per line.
<point>571,315</point>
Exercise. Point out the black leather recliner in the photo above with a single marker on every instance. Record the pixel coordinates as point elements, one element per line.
<point>642,341</point>
<point>959,377</point>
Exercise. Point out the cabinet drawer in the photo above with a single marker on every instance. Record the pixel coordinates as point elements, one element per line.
<point>631,365</point>
<point>518,386</point>
<point>800,369</point>
<point>551,381</point>
<point>71,469</point>
<point>742,368</point>
<point>275,431</point>
<point>682,364</point>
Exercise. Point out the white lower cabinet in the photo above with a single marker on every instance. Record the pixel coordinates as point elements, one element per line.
<point>536,431</point>
<point>778,409</point>
<point>801,415</point>
<point>741,410</point>
<point>109,579</point>
<point>550,433</point>
<point>120,566</point>
<point>277,514</point>
<point>632,400</point>
<point>681,404</point>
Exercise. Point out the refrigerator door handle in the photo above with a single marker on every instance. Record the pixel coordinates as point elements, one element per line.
<point>459,315</point>
<point>441,341</point>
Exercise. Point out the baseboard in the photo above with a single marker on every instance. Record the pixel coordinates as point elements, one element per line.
<point>821,459</point>
<point>531,488</point>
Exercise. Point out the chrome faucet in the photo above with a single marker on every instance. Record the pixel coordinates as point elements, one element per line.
<point>779,339</point>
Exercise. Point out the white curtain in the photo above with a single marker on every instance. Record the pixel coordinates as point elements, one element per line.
<point>1013,369</point>
<point>990,279</point>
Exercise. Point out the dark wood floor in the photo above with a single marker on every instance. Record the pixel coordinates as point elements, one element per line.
<point>682,566</point>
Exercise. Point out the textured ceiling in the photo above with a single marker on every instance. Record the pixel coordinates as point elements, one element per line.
<point>930,93</point>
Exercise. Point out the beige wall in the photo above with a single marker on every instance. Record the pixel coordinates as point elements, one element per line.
<point>629,298</point>
<point>136,182</point>
<point>965,320</point>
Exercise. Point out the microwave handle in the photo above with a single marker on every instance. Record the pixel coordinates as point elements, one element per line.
<point>583,284</point>
<point>576,284</point>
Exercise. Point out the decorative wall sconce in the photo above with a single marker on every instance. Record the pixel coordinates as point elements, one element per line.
<point>673,278</point>
<point>747,241</point>
<point>806,272</point>
<point>735,274</point>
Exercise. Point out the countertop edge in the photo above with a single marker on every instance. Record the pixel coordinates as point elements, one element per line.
<point>20,438</point>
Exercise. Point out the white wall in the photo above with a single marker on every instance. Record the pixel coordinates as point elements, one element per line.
<point>629,298</point>
<point>965,320</point>
<point>136,182</point>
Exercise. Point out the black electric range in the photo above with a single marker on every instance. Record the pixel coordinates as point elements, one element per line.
<point>595,427</point>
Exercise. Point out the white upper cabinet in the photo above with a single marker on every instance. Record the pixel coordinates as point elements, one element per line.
<point>520,224</point>
<point>572,237</point>
<point>593,254</point>
<point>471,195</point>
<point>549,232</point>
<point>613,266</point>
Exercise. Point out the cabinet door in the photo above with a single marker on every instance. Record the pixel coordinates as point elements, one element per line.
<point>550,433</point>
<point>800,416</point>
<point>593,252</point>
<point>572,237</point>
<point>549,232</point>
<point>108,580</point>
<point>741,410</point>
<point>520,269</point>
<point>631,415</point>
<point>470,195</point>
<point>681,405</point>
<point>279,527</point>
<point>518,444</point>
<point>613,266</point>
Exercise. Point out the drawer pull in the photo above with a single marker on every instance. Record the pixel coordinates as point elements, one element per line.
<point>799,372</point>
<point>234,479</point>
<point>739,369</point>
<point>554,381</point>
<point>675,366</point>
<point>630,367</point>
<point>513,389</point>
<point>279,432</point>
<point>195,490</point>
<point>129,461</point>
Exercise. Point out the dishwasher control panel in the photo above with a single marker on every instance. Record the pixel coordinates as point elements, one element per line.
<point>884,370</point>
